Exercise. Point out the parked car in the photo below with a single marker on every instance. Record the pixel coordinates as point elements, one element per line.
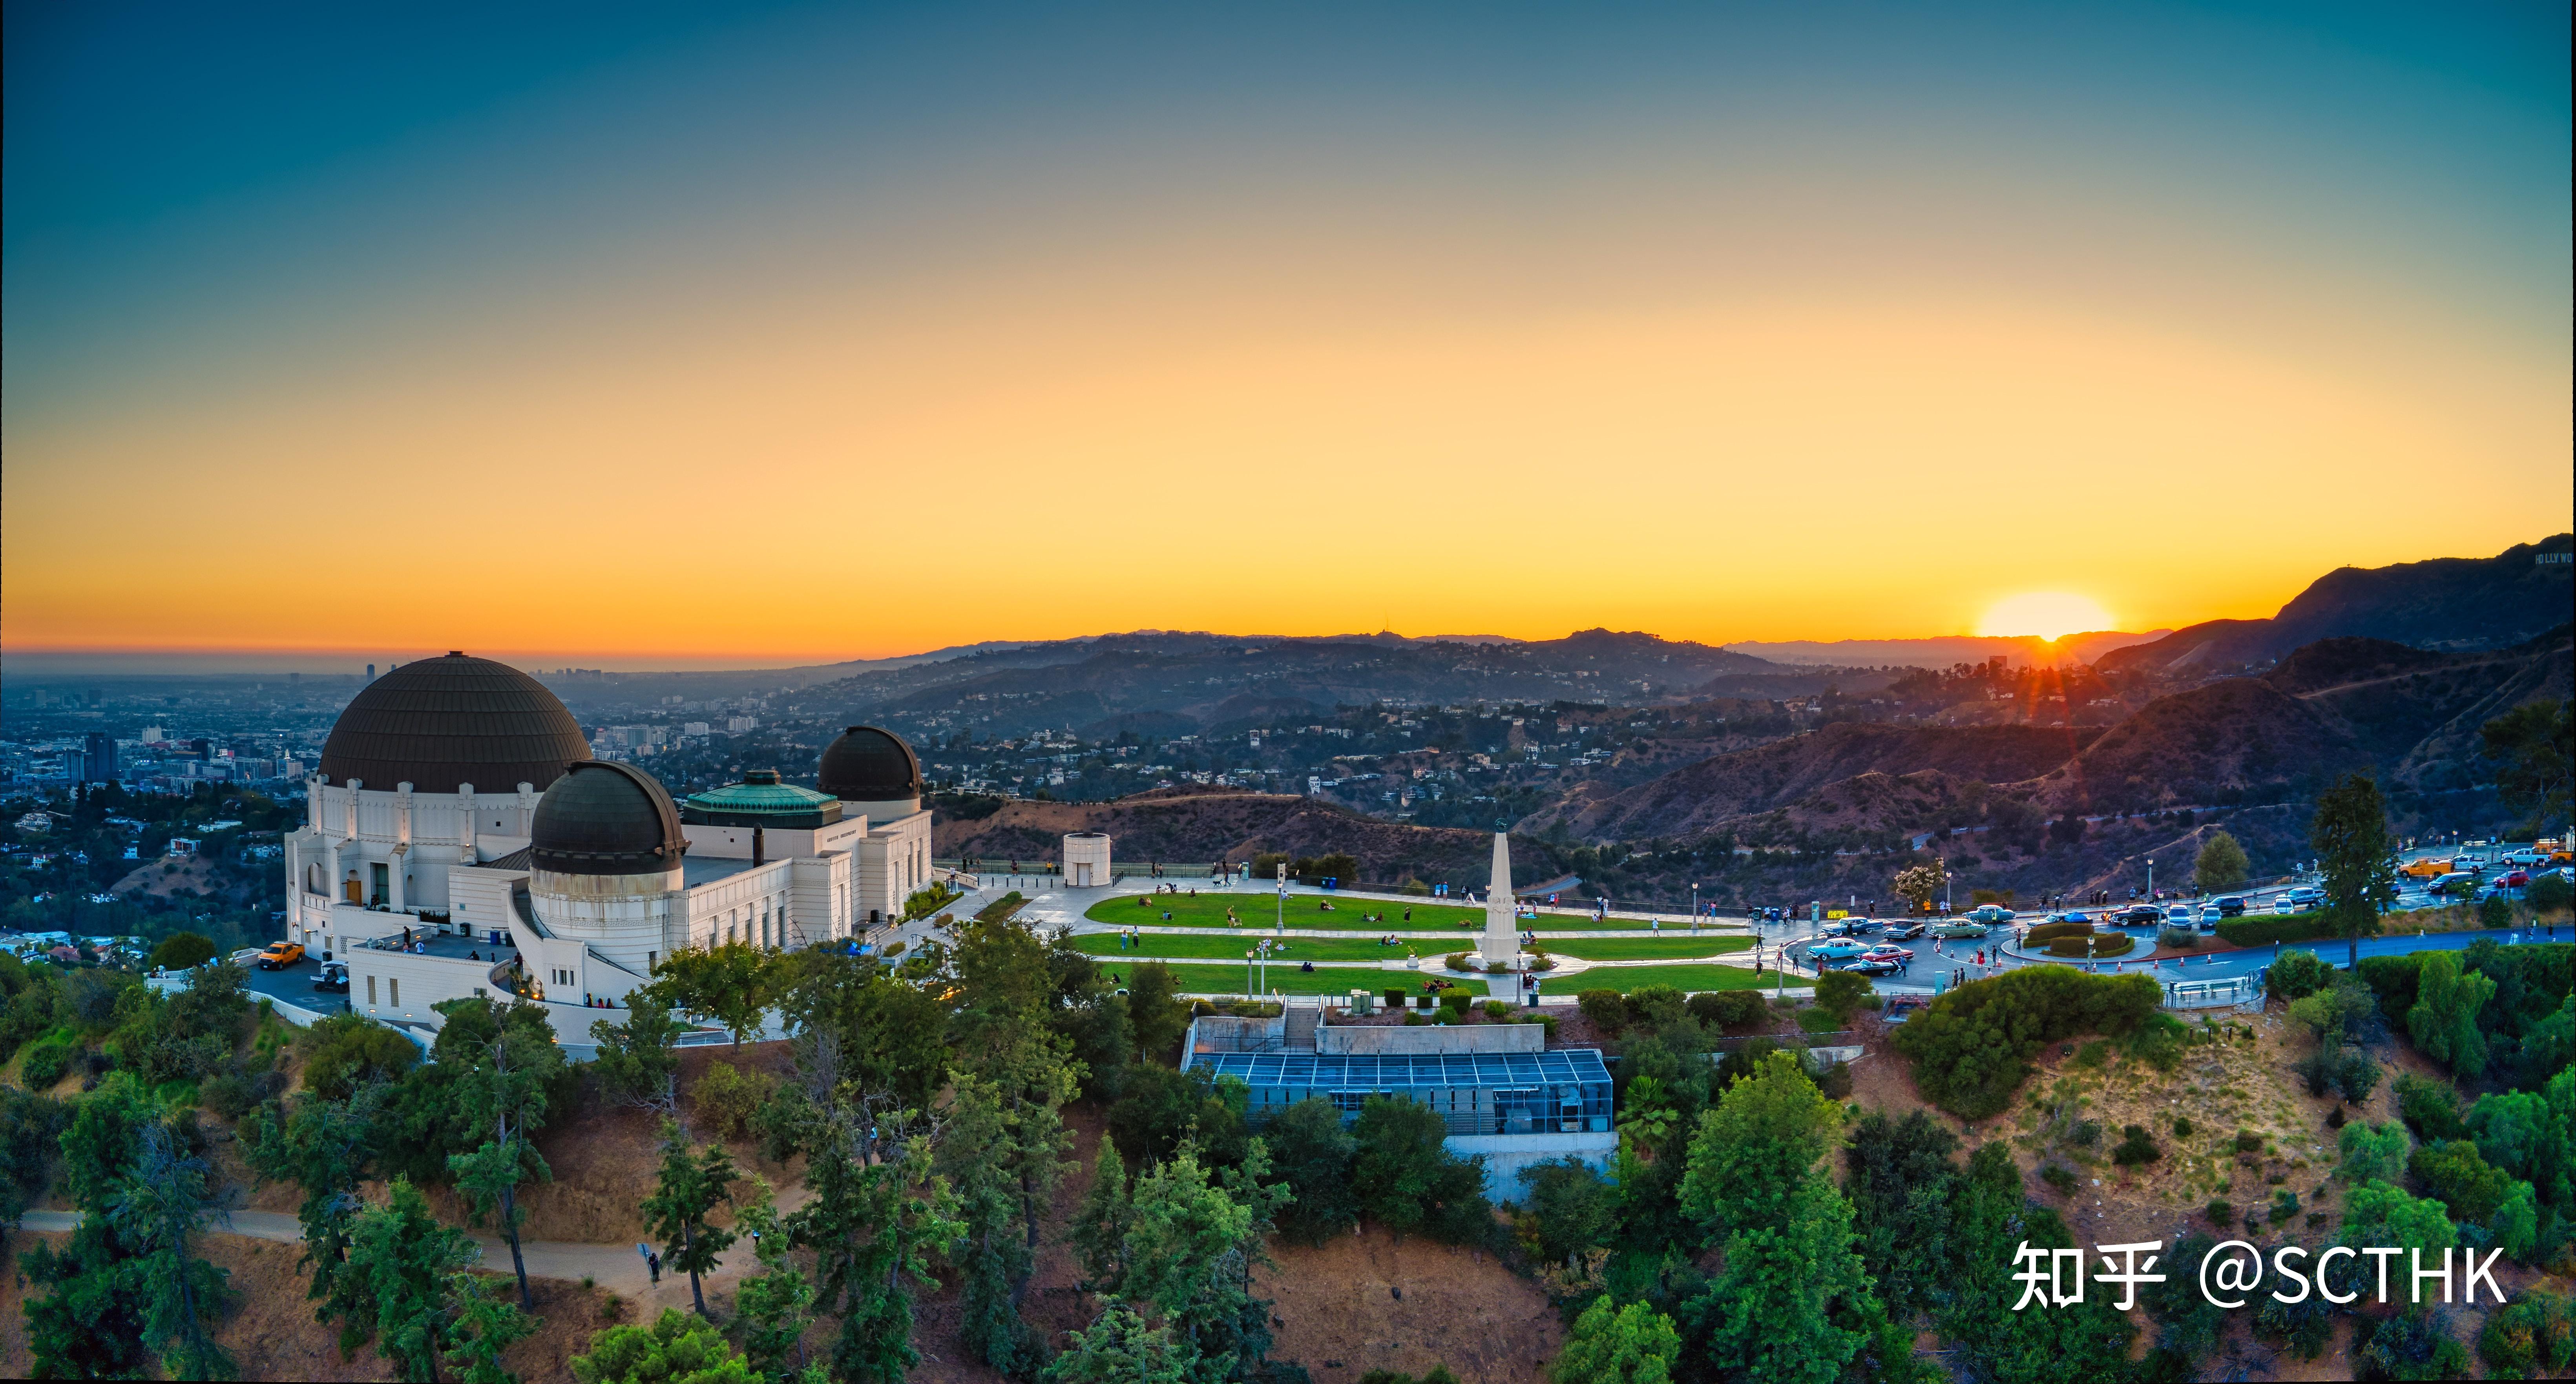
<point>2308,896</point>
<point>1906,932</point>
<point>1883,952</point>
<point>2524,855</point>
<point>2425,868</point>
<point>2073,915</point>
<point>1990,913</point>
<point>1835,950</point>
<point>1872,966</point>
<point>2457,879</point>
<point>1959,927</point>
<point>2231,906</point>
<point>277,956</point>
<point>2142,915</point>
<point>334,979</point>
<point>2179,915</point>
<point>2514,879</point>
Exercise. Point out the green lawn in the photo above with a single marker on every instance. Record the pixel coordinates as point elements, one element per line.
<point>1172,944</point>
<point>1346,914</point>
<point>1683,978</point>
<point>1229,980</point>
<point>1646,948</point>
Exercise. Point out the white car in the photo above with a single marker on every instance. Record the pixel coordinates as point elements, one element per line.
<point>2179,915</point>
<point>2525,856</point>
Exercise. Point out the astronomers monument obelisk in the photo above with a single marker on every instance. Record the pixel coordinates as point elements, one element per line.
<point>1502,939</point>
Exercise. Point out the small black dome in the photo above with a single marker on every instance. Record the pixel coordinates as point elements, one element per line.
<point>868,765</point>
<point>442,722</point>
<point>606,818</point>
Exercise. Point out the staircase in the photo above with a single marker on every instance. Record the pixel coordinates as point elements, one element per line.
<point>1302,1022</point>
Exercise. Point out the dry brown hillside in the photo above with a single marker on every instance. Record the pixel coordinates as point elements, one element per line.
<point>1694,800</point>
<point>1226,825</point>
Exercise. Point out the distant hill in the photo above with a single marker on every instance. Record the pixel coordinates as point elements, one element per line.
<point>1185,825</point>
<point>1694,799</point>
<point>1942,652</point>
<point>2446,603</point>
<point>1207,681</point>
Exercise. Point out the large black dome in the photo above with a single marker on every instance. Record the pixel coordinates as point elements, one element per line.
<point>442,722</point>
<point>606,818</point>
<point>868,765</point>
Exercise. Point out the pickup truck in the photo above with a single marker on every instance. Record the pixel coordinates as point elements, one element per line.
<point>277,956</point>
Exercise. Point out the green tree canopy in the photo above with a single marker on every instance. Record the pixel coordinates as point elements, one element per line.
<point>675,1349</point>
<point>2221,865</point>
<point>728,984</point>
<point>2350,835</point>
<point>1755,1148</point>
<point>1610,1344</point>
<point>2444,1019</point>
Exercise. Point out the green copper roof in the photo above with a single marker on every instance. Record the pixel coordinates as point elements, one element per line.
<point>761,800</point>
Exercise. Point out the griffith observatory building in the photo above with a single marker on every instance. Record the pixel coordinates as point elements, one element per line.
<point>457,805</point>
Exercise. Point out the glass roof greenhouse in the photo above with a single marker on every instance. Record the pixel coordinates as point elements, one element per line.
<point>1564,1089</point>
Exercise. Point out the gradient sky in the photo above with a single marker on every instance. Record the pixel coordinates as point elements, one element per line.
<point>638,334</point>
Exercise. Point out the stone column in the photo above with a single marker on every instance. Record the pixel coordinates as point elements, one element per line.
<point>1502,939</point>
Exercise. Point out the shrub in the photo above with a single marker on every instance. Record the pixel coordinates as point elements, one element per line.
<point>1497,968</point>
<point>1456,1002</point>
<point>2549,893</point>
<point>2050,932</point>
<point>1818,1021</point>
<point>1395,997</point>
<point>2494,912</point>
<point>1971,1047</point>
<point>346,1051</point>
<point>1836,1083</point>
<point>2297,974</point>
<point>726,1098</point>
<point>2285,1204</point>
<point>2529,1335</point>
<point>2092,1055</point>
<point>1727,1009</point>
<point>2335,1118</point>
<point>2247,1141</point>
<point>2263,932</point>
<point>2428,1106</point>
<point>181,950</point>
<point>1605,1008</point>
<point>2181,1127</point>
<point>1655,1005</point>
<point>2135,1146</point>
<point>2177,939</point>
<point>1838,993</point>
<point>2220,1212</point>
<point>1497,1010</point>
<point>2356,1075</point>
<point>44,1065</point>
<point>227,1094</point>
<point>1459,961</point>
<point>2059,1176</point>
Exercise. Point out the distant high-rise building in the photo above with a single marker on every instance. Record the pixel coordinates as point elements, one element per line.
<point>99,750</point>
<point>75,766</point>
<point>371,672</point>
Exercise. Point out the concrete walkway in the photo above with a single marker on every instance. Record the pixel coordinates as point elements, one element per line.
<point>614,1267</point>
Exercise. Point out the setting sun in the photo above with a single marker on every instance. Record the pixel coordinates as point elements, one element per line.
<point>2049,614</point>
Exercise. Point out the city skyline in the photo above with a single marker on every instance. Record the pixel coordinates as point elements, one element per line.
<point>797,335</point>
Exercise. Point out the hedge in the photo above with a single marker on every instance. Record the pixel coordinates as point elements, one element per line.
<point>2263,932</point>
<point>2095,945</point>
<point>2050,931</point>
<point>1972,1047</point>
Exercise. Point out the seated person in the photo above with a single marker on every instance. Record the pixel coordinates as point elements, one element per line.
<point>1308,967</point>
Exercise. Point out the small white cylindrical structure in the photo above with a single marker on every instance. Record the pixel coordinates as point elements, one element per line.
<point>1086,859</point>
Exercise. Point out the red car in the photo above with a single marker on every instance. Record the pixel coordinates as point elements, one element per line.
<point>2516,880</point>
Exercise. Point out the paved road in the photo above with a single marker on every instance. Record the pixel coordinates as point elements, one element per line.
<point>2228,965</point>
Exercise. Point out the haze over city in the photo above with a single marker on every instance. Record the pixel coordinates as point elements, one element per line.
<point>656,335</point>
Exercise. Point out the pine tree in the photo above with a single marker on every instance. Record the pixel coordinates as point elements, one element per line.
<point>692,1184</point>
<point>2350,834</point>
<point>327,1148</point>
<point>482,1323</point>
<point>402,1263</point>
<point>776,1304</point>
<point>160,1208</point>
